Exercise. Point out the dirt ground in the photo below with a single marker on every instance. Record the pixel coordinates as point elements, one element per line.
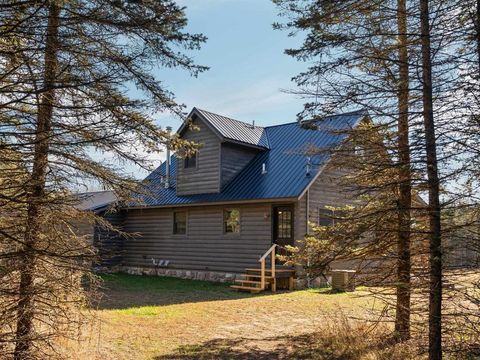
<point>165,318</point>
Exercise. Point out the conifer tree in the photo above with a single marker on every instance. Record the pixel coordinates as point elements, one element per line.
<point>78,82</point>
<point>434,210</point>
<point>361,54</point>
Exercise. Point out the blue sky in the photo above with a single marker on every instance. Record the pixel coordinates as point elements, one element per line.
<point>248,68</point>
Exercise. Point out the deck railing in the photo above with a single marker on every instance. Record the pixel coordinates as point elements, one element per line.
<point>262,261</point>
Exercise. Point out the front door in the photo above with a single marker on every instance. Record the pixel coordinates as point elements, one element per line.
<point>283,227</point>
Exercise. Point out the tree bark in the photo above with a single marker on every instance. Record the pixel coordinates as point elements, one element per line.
<point>25,311</point>
<point>435,301</point>
<point>477,35</point>
<point>402,320</point>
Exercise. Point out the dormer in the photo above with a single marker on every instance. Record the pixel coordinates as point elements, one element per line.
<point>227,146</point>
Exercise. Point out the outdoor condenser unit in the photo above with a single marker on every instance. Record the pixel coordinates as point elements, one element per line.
<point>343,280</point>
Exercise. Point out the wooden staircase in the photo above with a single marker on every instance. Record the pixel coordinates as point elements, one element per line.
<point>259,279</point>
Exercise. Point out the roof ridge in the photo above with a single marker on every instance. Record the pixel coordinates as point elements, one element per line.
<point>289,123</point>
<point>229,118</point>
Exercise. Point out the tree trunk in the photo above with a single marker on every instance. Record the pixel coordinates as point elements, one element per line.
<point>435,303</point>
<point>477,35</point>
<point>36,196</point>
<point>402,320</point>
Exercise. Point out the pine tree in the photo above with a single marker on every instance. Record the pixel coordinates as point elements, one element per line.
<point>361,52</point>
<point>71,77</point>
<point>435,236</point>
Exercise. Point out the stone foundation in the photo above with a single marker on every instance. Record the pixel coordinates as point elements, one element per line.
<point>215,276</point>
<point>182,274</point>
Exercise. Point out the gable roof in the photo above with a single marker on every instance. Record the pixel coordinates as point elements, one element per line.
<point>230,130</point>
<point>285,163</point>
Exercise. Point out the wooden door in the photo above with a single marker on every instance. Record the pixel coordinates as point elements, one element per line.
<point>283,220</point>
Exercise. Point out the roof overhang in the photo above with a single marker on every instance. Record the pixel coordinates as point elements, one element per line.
<point>215,203</point>
<point>195,114</point>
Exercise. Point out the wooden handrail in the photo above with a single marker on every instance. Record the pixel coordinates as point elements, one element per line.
<point>268,252</point>
<point>271,252</point>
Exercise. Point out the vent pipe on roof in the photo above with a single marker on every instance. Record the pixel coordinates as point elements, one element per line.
<point>253,124</point>
<point>167,162</point>
<point>308,166</point>
<point>264,169</point>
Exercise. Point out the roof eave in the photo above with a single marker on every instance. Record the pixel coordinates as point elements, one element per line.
<point>244,144</point>
<point>195,111</point>
<point>213,203</point>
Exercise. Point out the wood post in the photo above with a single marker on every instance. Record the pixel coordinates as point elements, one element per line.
<point>290,283</point>
<point>274,279</point>
<point>262,274</point>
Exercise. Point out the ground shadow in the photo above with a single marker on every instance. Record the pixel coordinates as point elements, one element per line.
<point>122,291</point>
<point>310,346</point>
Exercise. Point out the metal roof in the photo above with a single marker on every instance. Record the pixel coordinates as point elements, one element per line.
<point>231,130</point>
<point>95,200</point>
<point>285,162</point>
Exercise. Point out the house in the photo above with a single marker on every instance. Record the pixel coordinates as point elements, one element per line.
<point>214,214</point>
<point>108,243</point>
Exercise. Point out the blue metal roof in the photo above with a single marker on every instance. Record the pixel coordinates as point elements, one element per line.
<point>231,130</point>
<point>285,162</point>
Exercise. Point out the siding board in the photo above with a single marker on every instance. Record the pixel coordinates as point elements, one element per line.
<point>234,159</point>
<point>205,247</point>
<point>325,191</point>
<point>109,243</point>
<point>205,178</point>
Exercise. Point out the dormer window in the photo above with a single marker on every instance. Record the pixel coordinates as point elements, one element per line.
<point>190,162</point>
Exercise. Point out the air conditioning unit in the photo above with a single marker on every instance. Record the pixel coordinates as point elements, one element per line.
<point>343,280</point>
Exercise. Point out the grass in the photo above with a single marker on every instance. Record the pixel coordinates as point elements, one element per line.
<point>161,318</point>
<point>122,291</point>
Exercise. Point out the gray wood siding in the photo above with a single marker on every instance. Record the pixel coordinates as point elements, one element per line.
<point>234,159</point>
<point>109,243</point>
<point>205,246</point>
<point>325,191</point>
<point>205,178</point>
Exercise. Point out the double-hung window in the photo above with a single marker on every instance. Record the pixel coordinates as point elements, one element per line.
<point>180,222</point>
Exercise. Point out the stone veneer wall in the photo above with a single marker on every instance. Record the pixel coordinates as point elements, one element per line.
<point>193,274</point>
<point>183,274</point>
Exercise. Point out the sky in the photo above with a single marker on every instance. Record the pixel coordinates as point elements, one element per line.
<point>248,68</point>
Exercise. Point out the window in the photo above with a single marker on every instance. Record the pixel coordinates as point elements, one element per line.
<point>231,221</point>
<point>284,224</point>
<point>327,217</point>
<point>180,222</point>
<point>190,162</point>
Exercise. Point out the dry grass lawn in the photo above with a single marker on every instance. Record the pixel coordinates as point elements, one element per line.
<point>166,318</point>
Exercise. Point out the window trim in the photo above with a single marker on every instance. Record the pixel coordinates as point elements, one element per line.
<point>190,168</point>
<point>322,211</point>
<point>173,223</point>
<point>224,228</point>
<point>276,221</point>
